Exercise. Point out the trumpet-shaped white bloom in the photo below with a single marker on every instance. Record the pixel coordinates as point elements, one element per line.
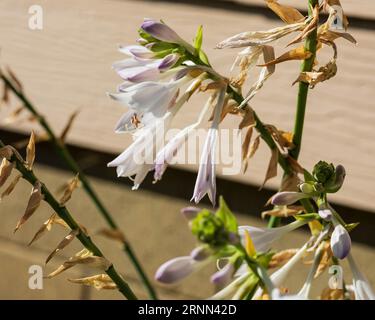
<point>361,286</point>
<point>264,237</point>
<point>206,179</point>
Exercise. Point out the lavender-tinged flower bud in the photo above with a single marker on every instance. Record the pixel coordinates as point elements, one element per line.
<point>161,31</point>
<point>190,212</point>
<point>222,277</point>
<point>200,253</point>
<point>339,179</point>
<point>175,270</point>
<point>325,214</point>
<point>340,242</point>
<point>287,197</point>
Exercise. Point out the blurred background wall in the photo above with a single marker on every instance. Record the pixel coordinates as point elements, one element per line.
<point>66,66</point>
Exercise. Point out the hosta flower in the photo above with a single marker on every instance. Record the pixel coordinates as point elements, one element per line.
<point>177,269</point>
<point>137,159</point>
<point>139,70</point>
<point>206,179</point>
<point>286,198</point>
<point>362,287</point>
<point>166,154</point>
<point>340,242</point>
<point>149,96</point>
<point>162,32</point>
<point>264,237</point>
<point>224,275</point>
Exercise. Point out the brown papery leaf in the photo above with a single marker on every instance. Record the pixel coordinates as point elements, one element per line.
<point>282,257</point>
<point>248,119</point>
<point>5,96</point>
<point>67,240</point>
<point>312,25</point>
<point>254,147</point>
<point>286,13</point>
<point>246,143</point>
<point>112,234</point>
<point>6,168</point>
<point>73,184</point>
<point>99,282</point>
<point>15,80</point>
<point>282,212</point>
<point>6,152</point>
<point>258,38</point>
<point>323,74</point>
<point>69,125</point>
<point>33,204</point>
<point>265,73</point>
<point>14,115</point>
<point>329,6</point>
<point>272,167</point>
<point>30,151</point>
<point>83,257</point>
<point>11,187</point>
<point>47,226</point>
<point>24,142</point>
<point>295,54</point>
<point>329,35</point>
<point>295,165</point>
<point>290,182</point>
<point>325,261</point>
<point>332,294</point>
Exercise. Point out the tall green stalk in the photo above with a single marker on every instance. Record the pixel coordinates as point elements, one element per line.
<point>64,214</point>
<point>66,156</point>
<point>303,90</point>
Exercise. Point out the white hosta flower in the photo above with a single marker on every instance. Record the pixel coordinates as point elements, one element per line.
<point>361,286</point>
<point>264,237</point>
<point>166,155</point>
<point>286,198</point>
<point>137,159</point>
<point>206,179</point>
<point>149,96</point>
<point>139,70</point>
<point>230,290</point>
<point>279,276</point>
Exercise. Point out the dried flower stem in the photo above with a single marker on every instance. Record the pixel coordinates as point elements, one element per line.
<point>66,156</point>
<point>307,65</point>
<point>64,214</point>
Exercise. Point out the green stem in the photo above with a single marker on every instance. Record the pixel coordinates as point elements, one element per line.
<point>66,156</point>
<point>307,65</point>
<point>64,214</point>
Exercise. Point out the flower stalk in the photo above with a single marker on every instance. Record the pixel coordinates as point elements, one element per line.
<point>63,152</point>
<point>303,89</point>
<point>64,214</point>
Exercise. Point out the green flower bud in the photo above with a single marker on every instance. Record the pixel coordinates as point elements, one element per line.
<point>323,171</point>
<point>307,188</point>
<point>209,229</point>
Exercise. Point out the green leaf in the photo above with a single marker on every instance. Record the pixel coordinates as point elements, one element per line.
<point>264,258</point>
<point>226,215</point>
<point>203,57</point>
<point>163,46</point>
<point>198,39</point>
<point>308,176</point>
<point>351,226</point>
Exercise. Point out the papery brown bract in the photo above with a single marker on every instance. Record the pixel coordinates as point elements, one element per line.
<point>68,126</point>
<point>66,241</point>
<point>286,13</point>
<point>72,185</point>
<point>33,204</point>
<point>6,168</point>
<point>30,151</point>
<point>99,282</point>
